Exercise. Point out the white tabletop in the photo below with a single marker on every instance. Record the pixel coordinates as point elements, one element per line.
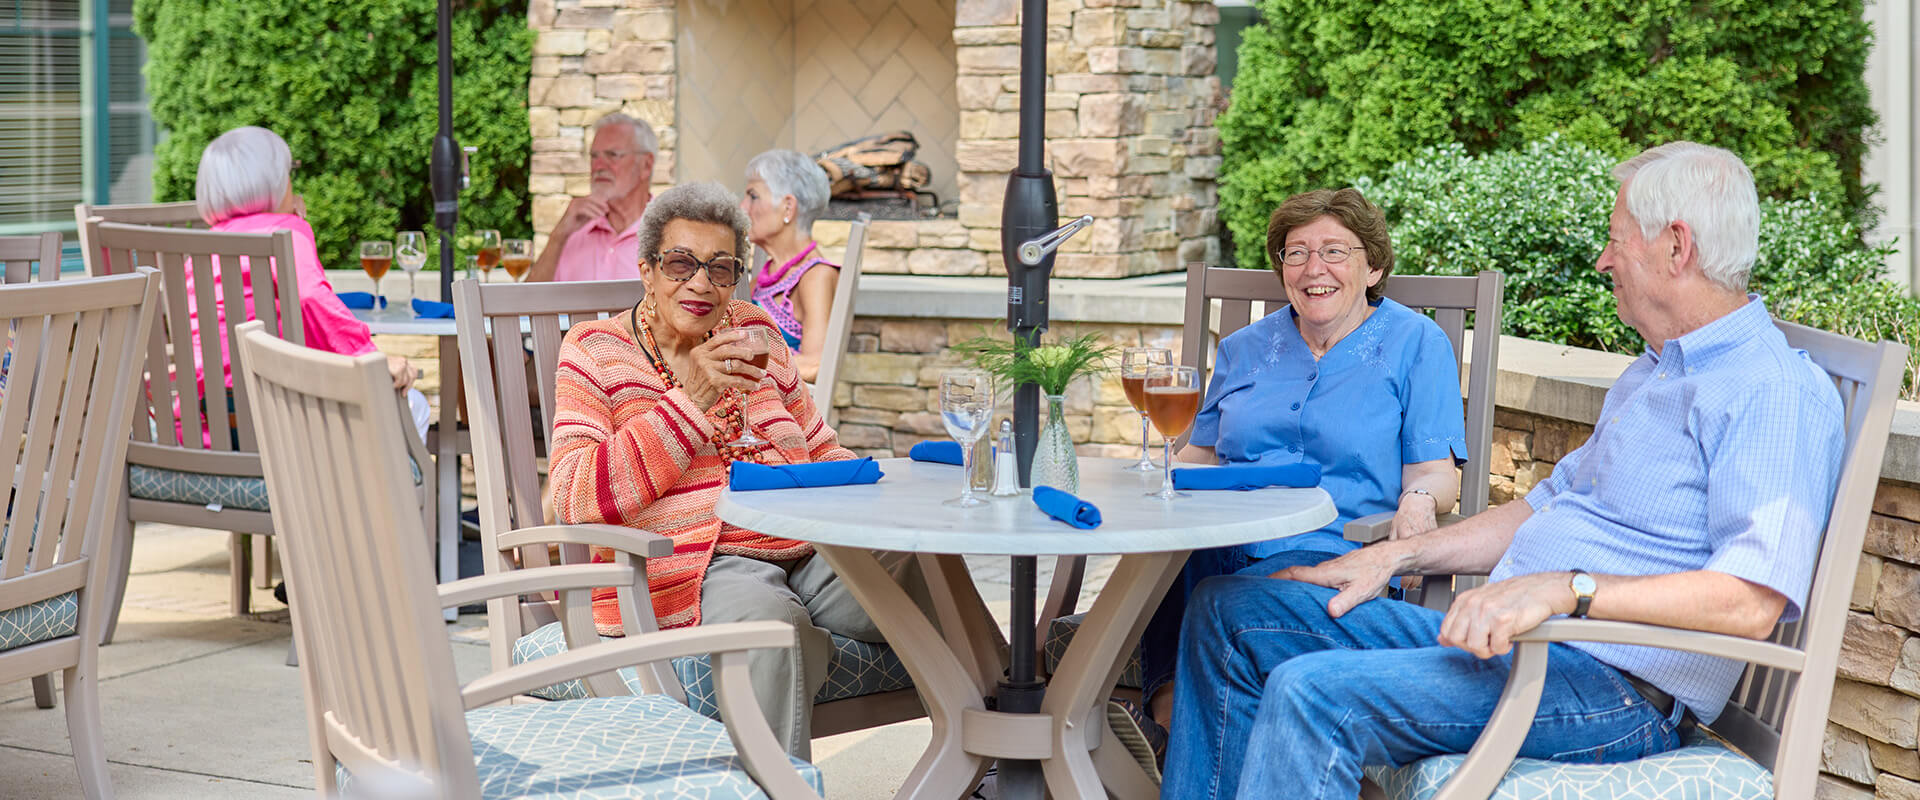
<point>399,319</point>
<point>903,512</point>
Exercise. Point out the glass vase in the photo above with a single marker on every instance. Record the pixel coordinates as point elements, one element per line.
<point>1054,462</point>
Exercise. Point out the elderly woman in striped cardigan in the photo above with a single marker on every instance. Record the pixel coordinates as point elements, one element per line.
<point>647,404</point>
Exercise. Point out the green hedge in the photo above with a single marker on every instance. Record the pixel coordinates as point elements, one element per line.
<point>1539,215</point>
<point>1329,91</point>
<point>351,85</point>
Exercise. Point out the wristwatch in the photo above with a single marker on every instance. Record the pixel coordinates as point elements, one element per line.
<point>1583,587</point>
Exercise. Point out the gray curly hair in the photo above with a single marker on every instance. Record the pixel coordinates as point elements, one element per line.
<point>695,202</point>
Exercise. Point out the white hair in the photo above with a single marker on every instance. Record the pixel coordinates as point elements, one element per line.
<point>243,171</point>
<point>643,138</point>
<point>706,201</point>
<point>787,172</point>
<point>1709,189</point>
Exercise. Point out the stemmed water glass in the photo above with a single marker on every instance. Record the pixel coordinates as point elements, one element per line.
<point>410,249</point>
<point>966,405</point>
<point>489,251</point>
<point>759,350</point>
<point>1134,362</point>
<point>1173,399</point>
<point>376,258</point>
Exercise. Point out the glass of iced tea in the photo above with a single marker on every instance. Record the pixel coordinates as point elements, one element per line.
<point>1173,399</point>
<point>376,258</point>
<point>516,256</point>
<point>488,254</point>
<point>760,352</point>
<point>1134,362</point>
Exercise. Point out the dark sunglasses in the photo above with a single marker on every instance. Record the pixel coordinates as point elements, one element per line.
<point>680,264</point>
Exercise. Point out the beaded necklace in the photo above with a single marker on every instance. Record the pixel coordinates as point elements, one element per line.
<point>728,409</point>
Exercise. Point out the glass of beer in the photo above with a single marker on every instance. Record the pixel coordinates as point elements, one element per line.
<point>488,253</point>
<point>1134,362</point>
<point>410,249</point>
<point>1173,399</point>
<point>516,255</point>
<point>760,352</point>
<point>376,258</point>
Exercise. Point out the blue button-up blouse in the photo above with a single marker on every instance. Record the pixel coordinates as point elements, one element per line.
<point>1386,395</point>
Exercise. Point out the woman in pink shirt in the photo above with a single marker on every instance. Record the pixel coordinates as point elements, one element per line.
<point>245,185</point>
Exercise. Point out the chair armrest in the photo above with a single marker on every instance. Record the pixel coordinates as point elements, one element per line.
<point>1370,528</point>
<point>607,656</point>
<point>645,544</point>
<point>562,577</point>
<point>1492,754</point>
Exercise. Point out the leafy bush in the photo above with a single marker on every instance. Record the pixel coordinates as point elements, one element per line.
<point>352,87</point>
<point>1539,215</point>
<point>1329,91</point>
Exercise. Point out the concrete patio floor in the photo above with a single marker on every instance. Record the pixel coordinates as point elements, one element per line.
<point>200,704</point>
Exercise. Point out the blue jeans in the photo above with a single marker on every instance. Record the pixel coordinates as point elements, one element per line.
<point>1277,699</point>
<point>1160,641</point>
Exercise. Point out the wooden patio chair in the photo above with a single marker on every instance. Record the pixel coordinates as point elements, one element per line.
<point>1450,298</point>
<point>25,258</point>
<point>866,683</point>
<point>74,373</point>
<point>208,476</point>
<point>840,321</point>
<point>156,215</point>
<point>1777,715</point>
<point>385,714</point>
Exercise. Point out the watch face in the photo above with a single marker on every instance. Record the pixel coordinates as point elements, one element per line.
<point>1583,584</point>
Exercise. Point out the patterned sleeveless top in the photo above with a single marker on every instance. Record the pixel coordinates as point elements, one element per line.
<point>773,290</point>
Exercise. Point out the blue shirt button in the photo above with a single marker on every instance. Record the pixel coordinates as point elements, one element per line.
<point>1313,376</point>
<point>1296,406</point>
<point>1293,448</point>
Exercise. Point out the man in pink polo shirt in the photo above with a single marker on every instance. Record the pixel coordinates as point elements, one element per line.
<point>597,237</point>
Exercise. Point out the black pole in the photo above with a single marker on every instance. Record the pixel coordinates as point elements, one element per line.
<point>1030,211</point>
<point>444,170</point>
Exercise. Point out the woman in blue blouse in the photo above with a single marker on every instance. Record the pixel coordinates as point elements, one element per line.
<point>1343,378</point>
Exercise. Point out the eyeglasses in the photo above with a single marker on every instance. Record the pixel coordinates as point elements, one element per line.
<point>609,155</point>
<point>680,264</point>
<point>1330,254</point>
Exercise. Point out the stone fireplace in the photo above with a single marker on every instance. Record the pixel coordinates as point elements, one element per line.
<point>1130,103</point>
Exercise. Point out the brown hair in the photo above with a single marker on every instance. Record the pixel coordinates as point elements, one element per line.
<point>1351,209</point>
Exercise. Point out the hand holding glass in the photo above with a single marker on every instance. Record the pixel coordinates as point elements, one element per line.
<point>966,404</point>
<point>1134,362</point>
<point>1173,399</point>
<point>376,258</point>
<point>410,249</point>
<point>759,352</point>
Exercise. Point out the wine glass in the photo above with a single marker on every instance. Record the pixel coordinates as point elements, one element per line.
<point>489,251</point>
<point>966,404</point>
<point>473,266</point>
<point>410,249</point>
<point>376,258</point>
<point>1134,362</point>
<point>516,255</point>
<point>759,352</point>
<point>1173,398</point>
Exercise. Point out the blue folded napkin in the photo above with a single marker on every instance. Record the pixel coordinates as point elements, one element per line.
<point>750,477</point>
<point>938,452</point>
<point>1242,477</point>
<point>432,309</point>
<point>360,299</point>
<point>1066,508</point>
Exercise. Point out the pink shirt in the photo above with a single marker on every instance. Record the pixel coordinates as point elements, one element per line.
<point>599,253</point>
<point>328,324</point>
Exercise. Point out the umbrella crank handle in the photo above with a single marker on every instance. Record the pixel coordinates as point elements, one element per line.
<point>1033,250</point>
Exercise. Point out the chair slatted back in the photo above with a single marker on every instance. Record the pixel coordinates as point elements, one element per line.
<point>490,319</point>
<point>157,215</point>
<point>382,697</point>
<point>1450,298</point>
<point>26,257</point>
<point>175,397</point>
<point>840,321</point>
<point>71,383</point>
<point>1773,715</point>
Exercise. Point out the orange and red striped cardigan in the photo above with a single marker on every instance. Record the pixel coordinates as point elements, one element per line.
<point>626,450</point>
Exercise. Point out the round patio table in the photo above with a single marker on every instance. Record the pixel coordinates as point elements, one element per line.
<point>956,667</point>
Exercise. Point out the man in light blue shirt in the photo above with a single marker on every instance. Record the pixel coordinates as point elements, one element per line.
<point>1698,503</point>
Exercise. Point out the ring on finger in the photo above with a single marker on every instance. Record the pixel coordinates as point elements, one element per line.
<point>729,365</point>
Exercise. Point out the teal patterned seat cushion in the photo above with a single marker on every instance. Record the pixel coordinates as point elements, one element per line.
<point>857,669</point>
<point>1060,634</point>
<point>33,623</point>
<point>1700,768</point>
<point>197,488</point>
<point>605,747</point>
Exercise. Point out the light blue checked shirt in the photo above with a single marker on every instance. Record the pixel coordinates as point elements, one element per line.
<point>1719,453</point>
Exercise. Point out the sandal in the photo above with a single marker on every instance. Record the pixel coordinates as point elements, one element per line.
<point>1137,731</point>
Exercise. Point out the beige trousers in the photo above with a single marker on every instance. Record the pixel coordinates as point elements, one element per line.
<point>806,594</point>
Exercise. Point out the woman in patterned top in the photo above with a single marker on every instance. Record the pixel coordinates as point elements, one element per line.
<point>786,191</point>
<point>646,403</point>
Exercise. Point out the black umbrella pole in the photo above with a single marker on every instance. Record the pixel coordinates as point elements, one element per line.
<point>444,169</point>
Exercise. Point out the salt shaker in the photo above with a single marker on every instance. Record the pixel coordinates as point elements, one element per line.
<point>1006,466</point>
